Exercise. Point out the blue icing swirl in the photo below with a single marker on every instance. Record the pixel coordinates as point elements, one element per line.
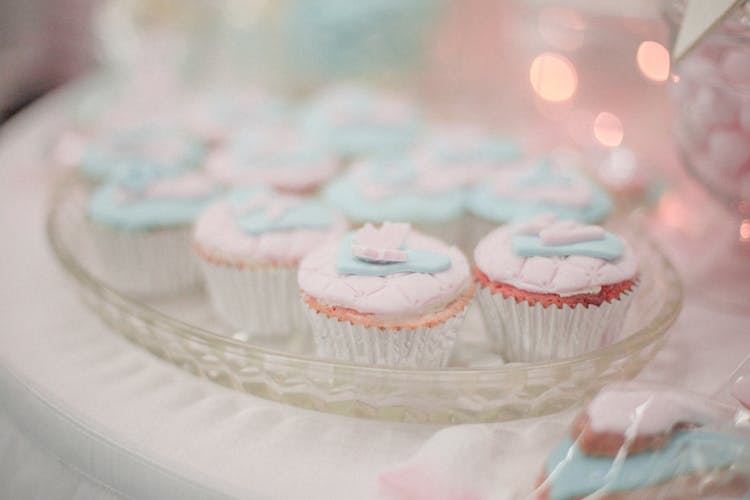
<point>309,214</point>
<point>609,248</point>
<point>408,205</point>
<point>360,133</point>
<point>483,202</point>
<point>418,261</point>
<point>123,152</point>
<point>573,474</point>
<point>106,207</point>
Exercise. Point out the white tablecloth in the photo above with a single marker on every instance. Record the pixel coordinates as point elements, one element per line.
<point>85,414</point>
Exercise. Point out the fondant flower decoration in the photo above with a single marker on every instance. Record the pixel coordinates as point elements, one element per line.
<point>384,244</point>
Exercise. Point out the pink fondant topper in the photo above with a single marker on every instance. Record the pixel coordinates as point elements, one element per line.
<point>382,244</point>
<point>560,232</point>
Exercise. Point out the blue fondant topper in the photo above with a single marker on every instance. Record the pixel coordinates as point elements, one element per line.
<point>417,261</point>
<point>573,474</point>
<point>609,247</point>
<point>254,217</point>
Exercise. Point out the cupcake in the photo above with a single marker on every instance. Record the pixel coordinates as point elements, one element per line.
<point>279,157</point>
<point>250,244</point>
<point>526,190</point>
<point>397,188</point>
<point>648,443</point>
<point>355,122</point>
<point>465,153</point>
<point>552,289</point>
<point>140,227</point>
<point>386,296</point>
<point>147,147</point>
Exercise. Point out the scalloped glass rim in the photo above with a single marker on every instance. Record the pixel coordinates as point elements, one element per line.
<point>451,395</point>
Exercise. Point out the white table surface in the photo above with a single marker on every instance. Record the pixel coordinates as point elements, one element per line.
<point>85,414</point>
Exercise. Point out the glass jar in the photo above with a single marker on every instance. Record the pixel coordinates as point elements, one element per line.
<point>711,97</point>
<point>711,102</point>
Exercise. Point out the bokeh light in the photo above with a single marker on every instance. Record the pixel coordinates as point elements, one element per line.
<point>608,129</point>
<point>619,168</point>
<point>745,230</point>
<point>653,61</point>
<point>553,77</point>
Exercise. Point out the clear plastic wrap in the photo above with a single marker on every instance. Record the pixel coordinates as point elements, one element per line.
<point>648,441</point>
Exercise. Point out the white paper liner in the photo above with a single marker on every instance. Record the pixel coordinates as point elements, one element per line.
<point>258,300</point>
<point>151,262</point>
<point>426,347</point>
<point>522,332</point>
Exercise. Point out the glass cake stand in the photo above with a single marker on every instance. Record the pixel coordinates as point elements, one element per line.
<point>476,387</point>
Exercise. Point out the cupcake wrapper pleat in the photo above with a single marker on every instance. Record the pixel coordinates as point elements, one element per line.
<point>426,347</point>
<point>151,262</point>
<point>258,300</point>
<point>526,333</point>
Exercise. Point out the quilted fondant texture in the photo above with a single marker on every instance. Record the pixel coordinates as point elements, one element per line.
<point>395,295</point>
<point>495,258</point>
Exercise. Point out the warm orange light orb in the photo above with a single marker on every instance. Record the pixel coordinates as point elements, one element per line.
<point>608,129</point>
<point>653,61</point>
<point>553,77</point>
<point>745,231</point>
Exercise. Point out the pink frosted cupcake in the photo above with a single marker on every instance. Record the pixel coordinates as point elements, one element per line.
<point>552,289</point>
<point>280,157</point>
<point>388,296</point>
<point>250,245</point>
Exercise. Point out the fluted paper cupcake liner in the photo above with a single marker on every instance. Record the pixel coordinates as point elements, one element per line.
<point>151,262</point>
<point>425,347</point>
<point>258,300</point>
<point>522,332</point>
